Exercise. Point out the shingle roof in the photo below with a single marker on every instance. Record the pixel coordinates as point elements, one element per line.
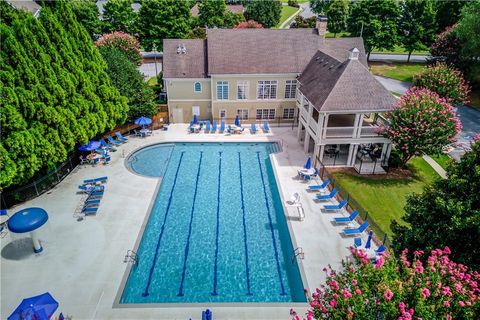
<point>247,51</point>
<point>28,5</point>
<point>192,64</point>
<point>348,86</point>
<point>235,8</point>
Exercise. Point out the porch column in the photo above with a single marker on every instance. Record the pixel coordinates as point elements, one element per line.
<point>357,128</point>
<point>299,131</point>
<point>384,151</point>
<point>350,153</point>
<point>325,126</point>
<point>306,142</point>
<point>354,154</point>
<point>321,152</point>
<point>320,126</point>
<point>387,153</point>
<point>316,151</point>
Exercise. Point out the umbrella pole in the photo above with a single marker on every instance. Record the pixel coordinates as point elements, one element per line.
<point>37,247</point>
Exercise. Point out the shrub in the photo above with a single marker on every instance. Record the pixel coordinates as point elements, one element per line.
<point>293,3</point>
<point>123,41</point>
<point>250,24</point>
<point>447,82</point>
<point>421,122</point>
<point>391,288</point>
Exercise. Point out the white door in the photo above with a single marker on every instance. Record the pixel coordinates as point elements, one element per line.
<point>178,115</point>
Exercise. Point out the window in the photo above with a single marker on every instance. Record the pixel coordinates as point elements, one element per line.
<point>196,110</point>
<point>267,89</point>
<point>263,114</point>
<point>223,114</point>
<point>242,90</point>
<point>222,90</point>
<point>288,113</point>
<point>197,87</point>
<point>242,114</point>
<point>290,89</point>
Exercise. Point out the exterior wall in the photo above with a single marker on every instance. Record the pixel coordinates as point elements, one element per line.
<point>181,94</point>
<point>251,103</point>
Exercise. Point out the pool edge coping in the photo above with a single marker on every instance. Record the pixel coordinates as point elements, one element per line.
<point>121,288</point>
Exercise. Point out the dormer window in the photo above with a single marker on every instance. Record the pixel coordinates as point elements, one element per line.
<point>197,87</point>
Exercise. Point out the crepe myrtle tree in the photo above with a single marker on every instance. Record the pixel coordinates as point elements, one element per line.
<point>421,122</point>
<point>425,287</point>
<point>444,80</point>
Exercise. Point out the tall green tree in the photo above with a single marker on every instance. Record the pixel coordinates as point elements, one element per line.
<point>337,14</point>
<point>211,13</point>
<point>376,21</point>
<point>87,13</point>
<point>118,15</point>
<point>448,13</point>
<point>468,29</point>
<point>416,25</point>
<point>319,6</point>
<point>130,83</point>
<point>266,12</point>
<point>446,213</point>
<point>162,19</point>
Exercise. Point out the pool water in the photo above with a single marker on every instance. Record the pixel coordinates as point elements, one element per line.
<point>217,231</point>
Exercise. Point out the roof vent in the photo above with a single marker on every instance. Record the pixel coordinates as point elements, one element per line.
<point>353,54</point>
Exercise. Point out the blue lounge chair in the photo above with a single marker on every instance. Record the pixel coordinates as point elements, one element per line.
<point>104,144</point>
<point>106,159</point>
<point>266,128</point>
<point>222,127</point>
<point>89,210</point>
<point>356,231</point>
<point>95,180</point>
<point>348,219</point>
<point>357,242</point>
<point>114,142</point>
<point>319,187</point>
<point>326,197</point>
<point>92,202</point>
<point>207,127</point>
<point>335,207</point>
<point>95,195</point>
<point>214,127</point>
<point>89,189</point>
<point>207,315</point>
<point>381,249</point>
<point>229,129</point>
<point>3,212</point>
<point>253,129</point>
<point>120,137</point>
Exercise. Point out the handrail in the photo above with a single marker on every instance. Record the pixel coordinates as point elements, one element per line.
<point>298,252</point>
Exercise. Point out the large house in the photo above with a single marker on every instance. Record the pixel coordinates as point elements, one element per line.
<point>297,76</point>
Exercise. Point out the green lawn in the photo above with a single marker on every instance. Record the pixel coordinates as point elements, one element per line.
<point>442,159</point>
<point>385,198</point>
<point>397,70</point>
<point>287,11</point>
<point>400,49</point>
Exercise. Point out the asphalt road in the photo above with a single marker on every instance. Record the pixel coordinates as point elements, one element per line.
<point>397,57</point>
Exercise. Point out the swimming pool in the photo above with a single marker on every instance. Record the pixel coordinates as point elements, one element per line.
<point>216,231</point>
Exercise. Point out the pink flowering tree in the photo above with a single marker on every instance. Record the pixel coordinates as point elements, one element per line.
<point>447,82</point>
<point>421,122</point>
<point>250,24</point>
<point>126,43</point>
<point>448,46</point>
<point>432,287</point>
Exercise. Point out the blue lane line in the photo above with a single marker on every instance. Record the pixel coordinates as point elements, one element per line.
<point>187,246</point>
<point>271,227</point>
<point>215,266</point>
<point>152,268</point>
<point>247,268</point>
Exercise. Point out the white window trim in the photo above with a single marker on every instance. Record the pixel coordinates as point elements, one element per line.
<point>196,108</point>
<point>228,89</point>
<point>220,113</point>
<point>245,83</point>
<point>271,83</point>
<point>242,113</point>
<point>288,118</point>
<point>290,83</point>
<point>201,87</point>
<point>267,113</point>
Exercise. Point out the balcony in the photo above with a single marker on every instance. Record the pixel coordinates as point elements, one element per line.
<point>347,132</point>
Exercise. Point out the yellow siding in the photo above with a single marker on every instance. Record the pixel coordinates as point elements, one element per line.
<point>205,110</point>
<point>184,89</point>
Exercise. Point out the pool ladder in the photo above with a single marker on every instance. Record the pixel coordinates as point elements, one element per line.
<point>298,252</point>
<point>131,257</point>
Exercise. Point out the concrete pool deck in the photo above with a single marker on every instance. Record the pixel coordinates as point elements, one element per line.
<point>82,263</point>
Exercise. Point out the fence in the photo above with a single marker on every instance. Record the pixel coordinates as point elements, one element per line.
<point>353,204</point>
<point>39,186</point>
<point>273,122</point>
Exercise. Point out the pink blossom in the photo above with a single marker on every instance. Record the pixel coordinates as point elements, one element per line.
<point>388,295</point>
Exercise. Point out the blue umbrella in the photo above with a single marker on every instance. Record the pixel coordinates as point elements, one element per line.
<point>92,145</point>
<point>143,121</point>
<point>237,121</point>
<point>369,240</point>
<point>308,164</point>
<point>40,307</point>
<point>195,119</point>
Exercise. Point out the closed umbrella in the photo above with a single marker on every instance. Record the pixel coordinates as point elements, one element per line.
<point>40,307</point>
<point>195,119</point>
<point>308,164</point>
<point>143,121</point>
<point>92,145</point>
<point>237,121</point>
<point>369,240</point>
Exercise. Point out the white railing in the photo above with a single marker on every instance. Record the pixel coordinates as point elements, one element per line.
<point>347,132</point>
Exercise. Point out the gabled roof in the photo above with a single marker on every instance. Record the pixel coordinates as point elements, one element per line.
<point>234,8</point>
<point>250,51</point>
<point>348,86</point>
<point>28,5</point>
<point>191,64</point>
